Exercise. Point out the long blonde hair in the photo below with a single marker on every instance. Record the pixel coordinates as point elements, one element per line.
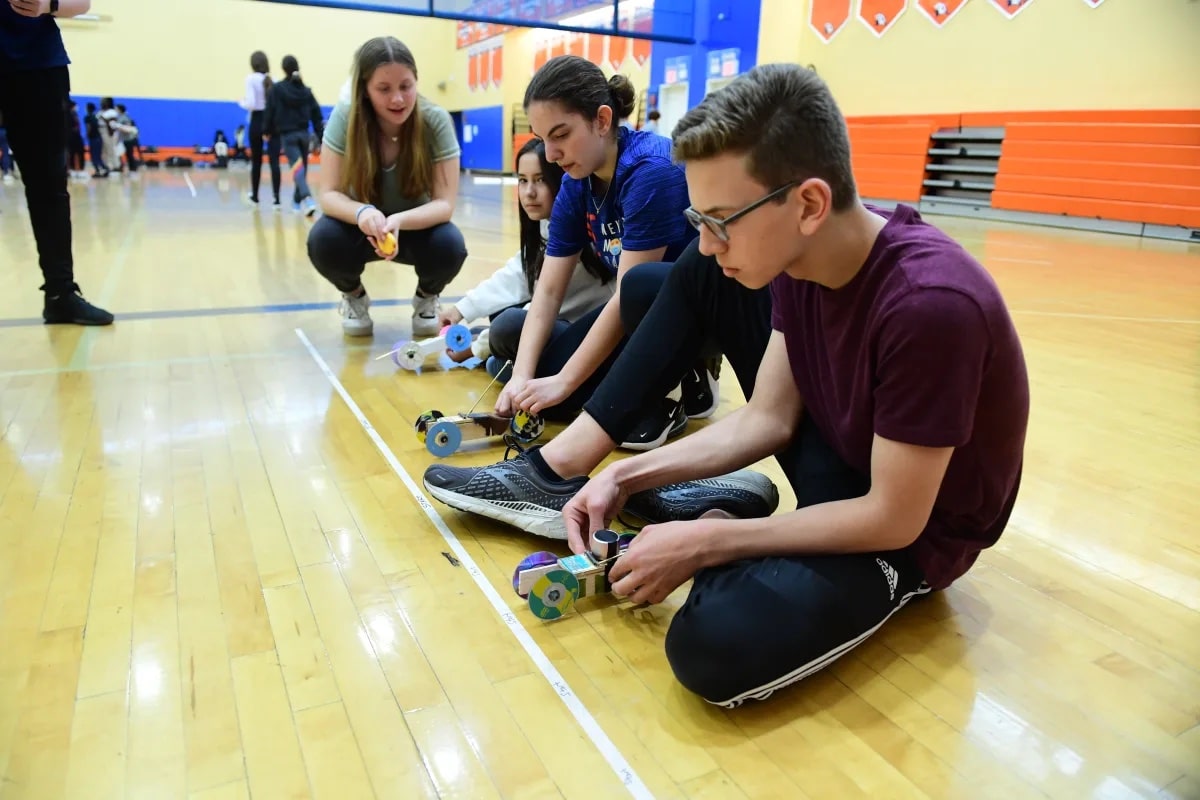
<point>362,175</point>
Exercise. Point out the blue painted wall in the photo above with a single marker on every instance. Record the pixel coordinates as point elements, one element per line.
<point>485,150</point>
<point>179,123</point>
<point>720,25</point>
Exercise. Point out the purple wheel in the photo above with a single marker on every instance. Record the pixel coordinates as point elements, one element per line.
<point>539,559</point>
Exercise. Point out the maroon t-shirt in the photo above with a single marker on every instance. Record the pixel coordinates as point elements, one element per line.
<point>918,348</point>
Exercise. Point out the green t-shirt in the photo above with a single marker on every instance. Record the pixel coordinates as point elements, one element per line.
<point>439,138</point>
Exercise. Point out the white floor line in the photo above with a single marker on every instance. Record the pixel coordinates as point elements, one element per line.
<point>584,717</point>
<point>191,186</point>
<point>1107,317</point>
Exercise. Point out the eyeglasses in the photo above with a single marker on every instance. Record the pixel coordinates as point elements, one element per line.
<point>717,226</point>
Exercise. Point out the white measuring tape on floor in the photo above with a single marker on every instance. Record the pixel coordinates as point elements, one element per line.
<point>584,717</point>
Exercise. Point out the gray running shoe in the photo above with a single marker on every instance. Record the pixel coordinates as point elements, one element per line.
<point>510,491</point>
<point>514,492</point>
<point>745,494</point>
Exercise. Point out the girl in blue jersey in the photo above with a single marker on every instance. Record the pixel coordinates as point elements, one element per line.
<point>624,197</point>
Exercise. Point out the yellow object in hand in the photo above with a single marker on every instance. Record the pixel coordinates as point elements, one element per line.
<point>387,245</point>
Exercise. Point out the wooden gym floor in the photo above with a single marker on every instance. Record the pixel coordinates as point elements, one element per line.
<point>216,582</point>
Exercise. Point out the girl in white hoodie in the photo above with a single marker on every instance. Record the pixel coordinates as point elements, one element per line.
<point>504,297</point>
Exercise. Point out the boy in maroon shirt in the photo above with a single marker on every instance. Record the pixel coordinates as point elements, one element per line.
<point>883,371</point>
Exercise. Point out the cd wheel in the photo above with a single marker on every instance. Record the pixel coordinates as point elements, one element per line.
<point>443,438</point>
<point>554,594</point>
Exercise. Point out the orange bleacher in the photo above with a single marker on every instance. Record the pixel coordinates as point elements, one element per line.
<point>1131,166</point>
<point>1135,166</point>
<point>889,157</point>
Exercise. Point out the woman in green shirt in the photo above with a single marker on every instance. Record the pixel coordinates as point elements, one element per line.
<point>389,164</point>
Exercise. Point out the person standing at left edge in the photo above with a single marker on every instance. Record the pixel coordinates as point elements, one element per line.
<point>35,88</point>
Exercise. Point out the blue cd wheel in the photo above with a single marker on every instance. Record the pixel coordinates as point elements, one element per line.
<point>526,427</point>
<point>554,594</point>
<point>458,338</point>
<point>442,438</point>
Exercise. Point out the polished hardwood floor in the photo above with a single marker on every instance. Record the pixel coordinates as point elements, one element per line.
<point>216,581</point>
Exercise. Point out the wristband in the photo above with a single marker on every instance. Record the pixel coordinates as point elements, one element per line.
<point>361,209</point>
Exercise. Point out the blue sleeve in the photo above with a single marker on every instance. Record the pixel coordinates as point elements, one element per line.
<point>568,226</point>
<point>653,199</point>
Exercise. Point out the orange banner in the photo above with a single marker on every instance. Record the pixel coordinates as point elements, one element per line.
<point>641,51</point>
<point>828,17</point>
<point>497,64</point>
<point>939,12</point>
<point>575,44</point>
<point>1010,8</point>
<point>595,48</point>
<point>880,15</point>
<point>618,51</point>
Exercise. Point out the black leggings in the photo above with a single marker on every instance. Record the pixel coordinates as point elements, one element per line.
<point>639,288</point>
<point>256,157</point>
<point>341,251</point>
<point>680,314</point>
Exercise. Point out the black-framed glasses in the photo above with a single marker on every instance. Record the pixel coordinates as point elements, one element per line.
<point>717,226</point>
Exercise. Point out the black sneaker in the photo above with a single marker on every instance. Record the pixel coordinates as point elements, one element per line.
<point>700,389</point>
<point>71,309</point>
<point>745,494</point>
<point>666,422</point>
<point>511,491</point>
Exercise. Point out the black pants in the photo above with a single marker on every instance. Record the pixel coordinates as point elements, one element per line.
<point>753,626</point>
<point>34,105</point>
<point>133,154</point>
<point>639,287</point>
<point>787,618</point>
<point>256,157</point>
<point>340,252</point>
<point>75,153</point>
<point>295,147</point>
<point>96,148</point>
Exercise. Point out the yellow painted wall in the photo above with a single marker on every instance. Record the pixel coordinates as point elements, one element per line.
<point>520,48</point>
<point>200,49</point>
<point>1055,55</point>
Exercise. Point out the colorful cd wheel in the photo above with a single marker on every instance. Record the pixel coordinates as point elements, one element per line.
<point>539,559</point>
<point>526,427</point>
<point>443,438</point>
<point>407,355</point>
<point>458,338</point>
<point>554,594</point>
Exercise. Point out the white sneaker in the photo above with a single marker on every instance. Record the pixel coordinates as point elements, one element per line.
<point>425,315</point>
<point>356,319</point>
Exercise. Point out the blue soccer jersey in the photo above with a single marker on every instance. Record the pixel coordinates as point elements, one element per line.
<point>641,210</point>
